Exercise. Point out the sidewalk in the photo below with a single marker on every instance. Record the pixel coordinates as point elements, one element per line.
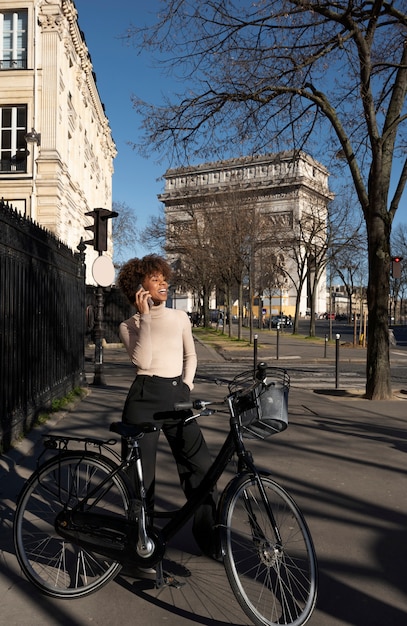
<point>342,459</point>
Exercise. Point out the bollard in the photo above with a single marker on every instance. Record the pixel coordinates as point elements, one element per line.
<point>337,338</point>
<point>278,342</point>
<point>326,342</point>
<point>255,354</point>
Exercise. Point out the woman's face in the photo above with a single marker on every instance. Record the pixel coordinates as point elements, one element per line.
<point>157,285</point>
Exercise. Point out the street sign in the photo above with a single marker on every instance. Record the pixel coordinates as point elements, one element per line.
<point>103,271</point>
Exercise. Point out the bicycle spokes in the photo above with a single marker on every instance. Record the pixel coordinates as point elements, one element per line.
<point>272,573</point>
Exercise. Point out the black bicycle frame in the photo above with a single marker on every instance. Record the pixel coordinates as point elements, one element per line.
<point>232,444</point>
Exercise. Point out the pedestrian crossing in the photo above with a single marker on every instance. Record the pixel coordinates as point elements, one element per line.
<point>325,378</point>
<point>319,376</point>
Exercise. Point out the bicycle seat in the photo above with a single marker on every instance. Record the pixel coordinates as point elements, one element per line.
<point>132,430</point>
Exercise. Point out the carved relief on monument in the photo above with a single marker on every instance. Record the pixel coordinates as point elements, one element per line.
<point>283,219</point>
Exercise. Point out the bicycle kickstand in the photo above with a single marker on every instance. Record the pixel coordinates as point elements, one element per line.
<point>163,579</point>
<point>159,577</point>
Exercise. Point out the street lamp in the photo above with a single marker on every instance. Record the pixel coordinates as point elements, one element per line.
<point>33,137</point>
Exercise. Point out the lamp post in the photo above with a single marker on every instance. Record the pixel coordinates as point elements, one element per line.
<point>33,139</point>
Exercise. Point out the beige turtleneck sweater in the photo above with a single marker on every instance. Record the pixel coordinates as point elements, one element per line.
<point>160,343</point>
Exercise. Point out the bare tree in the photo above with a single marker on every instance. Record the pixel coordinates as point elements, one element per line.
<point>349,263</point>
<point>289,73</point>
<point>215,239</point>
<point>308,245</point>
<point>308,248</point>
<point>188,241</point>
<point>156,232</point>
<point>124,232</point>
<point>231,245</point>
<point>399,284</point>
<point>236,229</point>
<point>271,277</point>
<point>185,242</point>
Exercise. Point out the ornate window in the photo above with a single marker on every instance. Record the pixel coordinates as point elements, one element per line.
<point>13,147</point>
<point>13,38</point>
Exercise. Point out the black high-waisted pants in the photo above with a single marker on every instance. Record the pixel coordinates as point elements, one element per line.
<point>148,396</point>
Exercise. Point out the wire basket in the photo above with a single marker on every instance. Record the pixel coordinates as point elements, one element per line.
<point>262,406</point>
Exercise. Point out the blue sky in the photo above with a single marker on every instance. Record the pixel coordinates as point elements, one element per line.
<point>121,72</point>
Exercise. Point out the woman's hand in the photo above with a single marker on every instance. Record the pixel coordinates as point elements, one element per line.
<point>143,301</point>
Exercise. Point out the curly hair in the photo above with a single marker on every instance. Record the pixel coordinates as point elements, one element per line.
<point>136,270</point>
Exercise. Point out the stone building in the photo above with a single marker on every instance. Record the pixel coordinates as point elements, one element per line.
<point>56,146</point>
<point>286,187</point>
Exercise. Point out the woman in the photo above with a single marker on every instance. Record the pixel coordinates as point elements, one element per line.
<point>160,344</point>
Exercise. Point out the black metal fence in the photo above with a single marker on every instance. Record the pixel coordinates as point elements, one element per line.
<point>116,308</point>
<point>42,322</point>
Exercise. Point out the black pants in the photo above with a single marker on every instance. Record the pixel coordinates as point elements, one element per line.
<point>148,396</point>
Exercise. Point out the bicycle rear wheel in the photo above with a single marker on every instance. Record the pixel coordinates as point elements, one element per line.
<point>57,567</point>
<point>273,578</point>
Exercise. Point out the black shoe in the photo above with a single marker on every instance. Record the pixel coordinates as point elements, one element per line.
<point>215,556</point>
<point>212,549</point>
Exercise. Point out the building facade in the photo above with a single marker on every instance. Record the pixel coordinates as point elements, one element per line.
<point>56,145</point>
<point>286,187</point>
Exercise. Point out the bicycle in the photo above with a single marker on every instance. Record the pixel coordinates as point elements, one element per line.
<point>78,520</point>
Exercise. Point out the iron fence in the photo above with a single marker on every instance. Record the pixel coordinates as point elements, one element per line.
<point>116,308</point>
<point>42,321</point>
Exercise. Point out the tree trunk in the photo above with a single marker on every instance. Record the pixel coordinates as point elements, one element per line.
<point>297,311</point>
<point>378,376</point>
<point>312,320</point>
<point>240,312</point>
<point>229,311</point>
<point>206,316</point>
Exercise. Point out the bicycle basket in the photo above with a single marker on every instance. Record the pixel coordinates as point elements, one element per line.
<point>262,407</point>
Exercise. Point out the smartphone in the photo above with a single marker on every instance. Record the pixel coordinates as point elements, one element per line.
<point>150,300</point>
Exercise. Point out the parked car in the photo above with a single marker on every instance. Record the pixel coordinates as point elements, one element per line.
<point>284,320</point>
<point>341,317</point>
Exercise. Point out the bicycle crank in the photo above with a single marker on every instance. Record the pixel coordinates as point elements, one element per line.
<point>109,536</point>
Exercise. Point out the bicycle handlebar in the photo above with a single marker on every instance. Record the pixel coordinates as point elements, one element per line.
<point>261,371</point>
<point>197,405</point>
<point>201,405</point>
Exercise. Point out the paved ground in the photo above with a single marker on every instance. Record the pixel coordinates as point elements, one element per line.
<point>342,458</point>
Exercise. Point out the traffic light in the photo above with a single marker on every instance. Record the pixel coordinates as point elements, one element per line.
<point>396,266</point>
<point>99,228</point>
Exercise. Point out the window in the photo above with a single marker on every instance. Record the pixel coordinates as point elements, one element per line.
<point>13,147</point>
<point>13,38</point>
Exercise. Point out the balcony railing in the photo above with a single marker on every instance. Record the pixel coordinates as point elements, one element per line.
<point>13,165</point>
<point>13,64</point>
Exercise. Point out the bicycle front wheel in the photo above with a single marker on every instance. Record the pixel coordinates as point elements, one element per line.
<point>57,567</point>
<point>270,563</point>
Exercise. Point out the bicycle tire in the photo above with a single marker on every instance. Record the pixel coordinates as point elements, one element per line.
<point>273,584</point>
<point>58,568</point>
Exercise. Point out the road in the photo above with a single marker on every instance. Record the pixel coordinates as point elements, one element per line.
<point>306,362</point>
<point>322,328</point>
<point>398,352</point>
<point>312,375</point>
